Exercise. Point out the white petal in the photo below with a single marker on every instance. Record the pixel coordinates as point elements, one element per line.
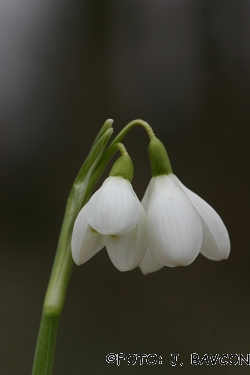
<point>150,264</point>
<point>85,242</point>
<point>216,243</point>
<point>173,226</point>
<point>113,209</point>
<point>148,192</point>
<point>127,251</point>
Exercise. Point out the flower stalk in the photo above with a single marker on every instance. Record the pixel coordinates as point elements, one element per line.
<point>63,263</point>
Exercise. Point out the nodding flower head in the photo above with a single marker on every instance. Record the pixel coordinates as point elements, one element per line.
<point>180,225</point>
<point>115,218</point>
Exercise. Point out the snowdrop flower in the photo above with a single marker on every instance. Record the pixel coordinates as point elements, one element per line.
<point>113,217</point>
<point>180,224</point>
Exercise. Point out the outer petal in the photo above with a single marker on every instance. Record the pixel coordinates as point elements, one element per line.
<point>148,192</point>
<point>173,226</point>
<point>216,243</point>
<point>113,209</point>
<point>85,242</point>
<point>150,263</point>
<point>128,250</point>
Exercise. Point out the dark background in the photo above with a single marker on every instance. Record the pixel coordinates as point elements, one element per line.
<point>67,66</point>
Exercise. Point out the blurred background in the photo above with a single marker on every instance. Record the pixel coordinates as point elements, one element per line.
<point>67,66</point>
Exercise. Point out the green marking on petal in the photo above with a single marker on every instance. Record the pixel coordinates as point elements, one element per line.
<point>93,230</point>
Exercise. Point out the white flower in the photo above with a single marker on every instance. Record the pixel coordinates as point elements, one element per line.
<point>115,218</point>
<point>180,224</point>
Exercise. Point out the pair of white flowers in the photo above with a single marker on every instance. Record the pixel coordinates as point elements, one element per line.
<point>170,227</point>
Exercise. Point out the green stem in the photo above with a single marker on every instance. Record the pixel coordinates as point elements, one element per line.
<point>54,300</point>
<point>63,263</point>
